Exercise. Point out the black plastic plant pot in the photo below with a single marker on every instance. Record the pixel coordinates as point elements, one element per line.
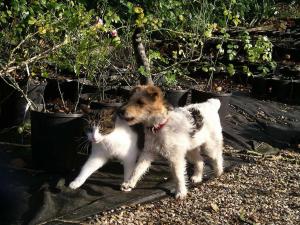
<point>67,88</point>
<point>55,140</point>
<point>296,92</point>
<point>241,78</point>
<point>177,98</point>
<point>289,72</point>
<point>202,96</point>
<point>102,105</point>
<point>13,106</point>
<point>260,86</point>
<point>125,91</point>
<point>281,89</point>
<point>91,100</point>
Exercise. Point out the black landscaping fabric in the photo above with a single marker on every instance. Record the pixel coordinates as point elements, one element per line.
<point>252,121</point>
<point>29,196</point>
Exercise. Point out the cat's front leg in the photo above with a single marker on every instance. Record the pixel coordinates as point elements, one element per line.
<point>140,169</point>
<point>94,162</point>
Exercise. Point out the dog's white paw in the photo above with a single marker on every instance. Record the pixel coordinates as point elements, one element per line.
<point>196,179</point>
<point>219,172</point>
<point>126,187</point>
<point>181,195</point>
<point>75,184</point>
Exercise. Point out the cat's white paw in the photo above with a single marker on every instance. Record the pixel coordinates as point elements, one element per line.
<point>181,195</point>
<point>126,187</point>
<point>75,184</point>
<point>196,179</point>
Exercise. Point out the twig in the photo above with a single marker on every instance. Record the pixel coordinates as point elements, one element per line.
<point>79,94</point>
<point>14,84</point>
<point>193,34</point>
<point>44,104</point>
<point>61,94</point>
<point>14,144</point>
<point>217,55</point>
<point>19,45</point>
<point>44,54</point>
<point>120,73</point>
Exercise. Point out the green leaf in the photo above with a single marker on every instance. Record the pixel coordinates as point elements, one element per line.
<point>130,7</point>
<point>247,71</point>
<point>9,13</point>
<point>116,40</point>
<point>42,30</point>
<point>138,10</point>
<point>31,20</point>
<point>208,33</point>
<point>219,46</point>
<point>230,69</point>
<point>211,69</point>
<point>143,71</point>
<point>45,74</point>
<point>205,69</point>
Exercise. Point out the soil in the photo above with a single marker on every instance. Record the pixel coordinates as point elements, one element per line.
<point>175,88</point>
<point>59,106</point>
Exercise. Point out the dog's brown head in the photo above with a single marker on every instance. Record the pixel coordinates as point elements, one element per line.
<point>146,101</point>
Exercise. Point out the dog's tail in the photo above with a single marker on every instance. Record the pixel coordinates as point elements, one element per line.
<point>215,103</point>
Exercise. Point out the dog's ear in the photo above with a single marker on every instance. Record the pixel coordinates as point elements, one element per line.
<point>154,91</point>
<point>168,106</point>
<point>135,89</point>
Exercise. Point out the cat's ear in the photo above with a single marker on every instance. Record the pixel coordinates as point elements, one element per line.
<point>85,109</point>
<point>111,110</point>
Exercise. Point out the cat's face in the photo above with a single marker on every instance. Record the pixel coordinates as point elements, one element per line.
<point>101,123</point>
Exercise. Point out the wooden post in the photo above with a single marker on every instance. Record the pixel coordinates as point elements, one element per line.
<point>140,56</point>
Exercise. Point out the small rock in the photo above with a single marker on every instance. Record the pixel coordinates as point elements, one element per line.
<point>214,207</point>
<point>219,89</point>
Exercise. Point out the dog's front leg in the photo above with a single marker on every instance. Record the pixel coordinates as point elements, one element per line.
<point>129,165</point>
<point>140,169</point>
<point>178,167</point>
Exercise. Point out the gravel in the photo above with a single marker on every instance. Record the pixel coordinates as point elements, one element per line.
<point>263,190</point>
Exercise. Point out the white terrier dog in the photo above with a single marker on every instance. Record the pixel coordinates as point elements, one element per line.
<point>175,134</point>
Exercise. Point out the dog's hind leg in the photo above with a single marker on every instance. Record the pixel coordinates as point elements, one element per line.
<point>217,164</point>
<point>178,167</point>
<point>214,152</point>
<point>195,158</point>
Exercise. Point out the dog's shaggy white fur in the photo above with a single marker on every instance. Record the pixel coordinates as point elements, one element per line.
<point>186,132</point>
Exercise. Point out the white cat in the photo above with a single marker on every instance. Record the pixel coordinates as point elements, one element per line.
<point>111,137</point>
